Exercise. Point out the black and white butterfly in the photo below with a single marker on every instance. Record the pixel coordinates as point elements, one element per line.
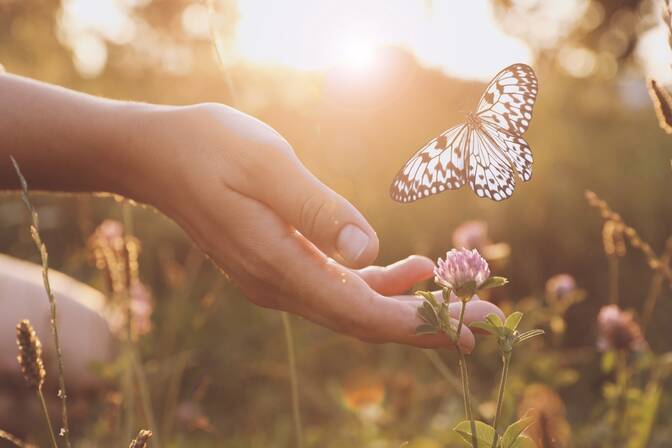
<point>484,150</point>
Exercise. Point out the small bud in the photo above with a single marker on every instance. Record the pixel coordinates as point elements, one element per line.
<point>142,440</point>
<point>662,103</point>
<point>30,355</point>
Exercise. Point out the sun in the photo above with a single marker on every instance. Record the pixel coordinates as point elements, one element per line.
<point>357,54</point>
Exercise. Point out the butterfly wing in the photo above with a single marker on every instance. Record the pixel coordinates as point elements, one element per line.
<point>509,98</point>
<point>489,170</point>
<point>438,166</point>
<point>515,148</point>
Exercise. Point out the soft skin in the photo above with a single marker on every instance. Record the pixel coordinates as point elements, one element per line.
<point>237,188</point>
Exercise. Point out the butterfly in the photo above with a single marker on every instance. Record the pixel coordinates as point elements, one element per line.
<point>484,150</point>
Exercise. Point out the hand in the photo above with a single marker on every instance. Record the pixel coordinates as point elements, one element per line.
<point>238,189</point>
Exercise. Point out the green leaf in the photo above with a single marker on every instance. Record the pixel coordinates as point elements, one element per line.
<point>428,296</point>
<point>446,294</point>
<point>494,282</point>
<point>514,430</point>
<point>485,326</point>
<point>425,329</point>
<point>495,320</point>
<point>427,314</point>
<point>524,442</point>
<point>484,433</point>
<point>466,291</point>
<point>522,337</point>
<point>513,320</point>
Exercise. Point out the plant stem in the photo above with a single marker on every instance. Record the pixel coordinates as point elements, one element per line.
<point>651,299</point>
<point>613,279</point>
<point>46,417</point>
<point>145,397</point>
<point>437,362</point>
<point>4,435</point>
<point>506,360</point>
<point>623,384</point>
<point>44,256</point>
<point>464,376</point>
<point>293,378</point>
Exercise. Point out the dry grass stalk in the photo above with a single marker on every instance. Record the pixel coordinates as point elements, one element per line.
<point>142,440</point>
<point>32,366</point>
<point>4,435</point>
<point>655,262</point>
<point>42,249</point>
<point>662,103</point>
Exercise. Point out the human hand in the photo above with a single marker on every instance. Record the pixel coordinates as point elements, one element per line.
<point>288,241</point>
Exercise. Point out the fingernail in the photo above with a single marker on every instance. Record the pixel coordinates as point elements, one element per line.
<point>352,242</point>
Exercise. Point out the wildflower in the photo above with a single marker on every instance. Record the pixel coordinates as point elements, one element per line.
<point>141,308</point>
<point>618,330</point>
<point>363,389</point>
<point>471,235</point>
<point>560,286</point>
<point>116,255</point>
<point>550,428</point>
<point>30,355</point>
<point>142,440</point>
<point>462,268</point>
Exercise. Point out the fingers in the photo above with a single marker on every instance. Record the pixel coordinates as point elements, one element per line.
<point>303,281</point>
<point>399,277</point>
<point>325,218</point>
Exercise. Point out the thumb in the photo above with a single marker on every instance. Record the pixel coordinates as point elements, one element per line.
<point>321,215</point>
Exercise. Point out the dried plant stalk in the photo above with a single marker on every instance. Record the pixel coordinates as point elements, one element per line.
<point>4,435</point>
<point>42,249</point>
<point>662,103</point>
<point>655,262</point>
<point>32,366</point>
<point>142,440</point>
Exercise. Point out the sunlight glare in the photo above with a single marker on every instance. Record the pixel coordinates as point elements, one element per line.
<point>357,54</point>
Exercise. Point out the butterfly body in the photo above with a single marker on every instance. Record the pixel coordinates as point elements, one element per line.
<point>484,151</point>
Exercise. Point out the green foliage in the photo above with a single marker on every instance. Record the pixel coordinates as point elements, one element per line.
<point>484,433</point>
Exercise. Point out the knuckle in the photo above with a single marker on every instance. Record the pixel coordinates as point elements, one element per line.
<point>312,208</point>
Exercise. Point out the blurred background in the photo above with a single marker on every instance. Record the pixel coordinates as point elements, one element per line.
<point>357,87</point>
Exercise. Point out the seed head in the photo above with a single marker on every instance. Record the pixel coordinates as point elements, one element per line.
<point>142,440</point>
<point>30,355</point>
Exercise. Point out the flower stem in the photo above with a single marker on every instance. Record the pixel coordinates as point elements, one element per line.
<point>293,377</point>
<point>651,300</point>
<point>613,279</point>
<point>506,360</point>
<point>46,417</point>
<point>464,376</point>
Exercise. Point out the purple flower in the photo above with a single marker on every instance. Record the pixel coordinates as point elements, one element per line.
<point>471,235</point>
<point>460,267</point>
<point>560,285</point>
<point>618,330</point>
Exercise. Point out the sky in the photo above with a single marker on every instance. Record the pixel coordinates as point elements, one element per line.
<point>460,37</point>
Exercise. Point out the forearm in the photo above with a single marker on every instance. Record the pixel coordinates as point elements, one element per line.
<point>64,140</point>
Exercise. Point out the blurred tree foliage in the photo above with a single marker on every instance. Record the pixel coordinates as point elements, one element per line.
<point>594,132</point>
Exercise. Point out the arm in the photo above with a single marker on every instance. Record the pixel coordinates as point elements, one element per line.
<point>237,188</point>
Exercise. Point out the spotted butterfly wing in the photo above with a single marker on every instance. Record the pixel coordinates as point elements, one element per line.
<point>485,151</point>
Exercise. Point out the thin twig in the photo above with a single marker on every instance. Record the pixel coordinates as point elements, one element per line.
<point>42,249</point>
<point>293,377</point>
<point>4,435</point>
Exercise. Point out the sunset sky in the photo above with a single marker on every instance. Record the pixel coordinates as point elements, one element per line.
<point>460,37</point>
